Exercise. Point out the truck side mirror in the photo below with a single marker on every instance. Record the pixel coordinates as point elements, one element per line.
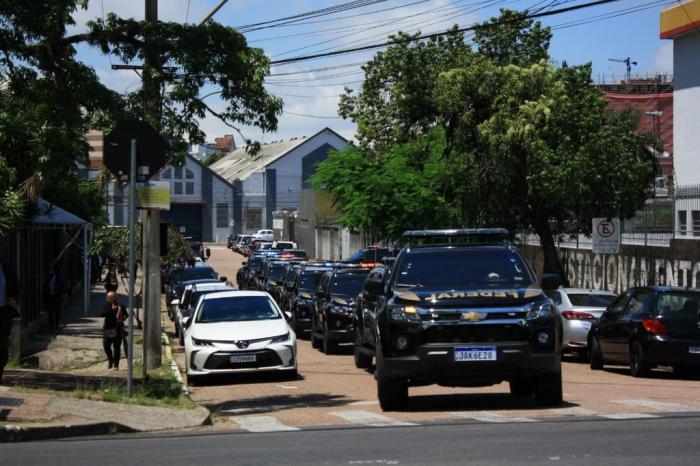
<point>550,281</point>
<point>374,287</point>
<point>207,252</point>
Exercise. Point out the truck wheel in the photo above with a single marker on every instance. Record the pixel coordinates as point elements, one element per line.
<point>521,387</point>
<point>315,342</point>
<point>548,390</point>
<point>392,393</point>
<point>362,360</point>
<point>639,366</point>
<point>596,357</point>
<point>329,346</point>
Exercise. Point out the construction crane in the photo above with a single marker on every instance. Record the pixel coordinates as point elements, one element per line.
<point>627,61</point>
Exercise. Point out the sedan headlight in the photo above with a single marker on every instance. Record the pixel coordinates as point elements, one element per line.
<point>198,342</point>
<point>280,339</point>
<point>540,310</point>
<point>404,313</point>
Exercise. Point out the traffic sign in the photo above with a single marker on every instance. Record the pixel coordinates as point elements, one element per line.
<point>606,236</point>
<point>117,149</point>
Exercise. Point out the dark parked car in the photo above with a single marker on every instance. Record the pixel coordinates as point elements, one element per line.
<point>646,327</point>
<point>332,321</point>
<point>369,257</point>
<point>301,295</point>
<point>460,308</point>
<point>271,279</point>
<point>188,273</point>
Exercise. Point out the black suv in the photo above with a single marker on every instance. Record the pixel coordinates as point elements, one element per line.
<point>300,296</point>
<point>459,308</point>
<point>334,301</point>
<point>271,280</point>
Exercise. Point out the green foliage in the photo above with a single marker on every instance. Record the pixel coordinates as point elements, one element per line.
<point>496,137</point>
<point>213,158</point>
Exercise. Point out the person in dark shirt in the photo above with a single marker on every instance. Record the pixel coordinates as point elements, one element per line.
<point>114,314</point>
<point>9,296</point>
<point>53,294</point>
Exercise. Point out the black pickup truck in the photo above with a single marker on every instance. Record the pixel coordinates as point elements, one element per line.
<point>459,308</point>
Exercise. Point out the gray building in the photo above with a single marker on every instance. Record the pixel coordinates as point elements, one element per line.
<point>273,179</point>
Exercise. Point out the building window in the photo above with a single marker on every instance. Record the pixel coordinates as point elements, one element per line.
<point>695,214</point>
<point>178,173</point>
<point>177,187</point>
<point>222,215</point>
<point>189,188</point>
<point>253,218</point>
<point>189,174</point>
<point>682,222</point>
<point>167,174</point>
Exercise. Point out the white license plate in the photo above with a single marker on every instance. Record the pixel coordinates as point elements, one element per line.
<point>694,349</point>
<point>487,353</point>
<point>250,357</point>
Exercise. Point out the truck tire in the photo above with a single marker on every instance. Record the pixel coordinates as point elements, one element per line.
<point>521,387</point>
<point>548,390</point>
<point>315,342</point>
<point>596,357</point>
<point>392,393</point>
<point>329,346</point>
<point>362,360</point>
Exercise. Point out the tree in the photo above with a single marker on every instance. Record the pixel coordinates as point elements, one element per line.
<point>48,99</point>
<point>524,144</point>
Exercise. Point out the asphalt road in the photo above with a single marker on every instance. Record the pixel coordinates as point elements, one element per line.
<point>662,441</point>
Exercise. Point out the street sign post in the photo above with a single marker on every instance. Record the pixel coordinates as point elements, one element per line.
<point>606,235</point>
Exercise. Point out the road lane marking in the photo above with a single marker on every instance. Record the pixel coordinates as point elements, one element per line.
<point>660,406</point>
<point>573,411</point>
<point>369,419</point>
<point>261,424</point>
<point>486,416</point>
<point>628,416</point>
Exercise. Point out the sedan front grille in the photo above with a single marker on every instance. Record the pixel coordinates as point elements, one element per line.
<point>264,358</point>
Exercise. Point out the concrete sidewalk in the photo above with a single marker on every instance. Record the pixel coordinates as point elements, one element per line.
<point>32,406</point>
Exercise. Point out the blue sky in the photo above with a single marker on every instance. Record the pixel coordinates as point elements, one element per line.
<point>315,93</point>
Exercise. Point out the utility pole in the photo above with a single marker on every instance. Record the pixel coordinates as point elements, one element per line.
<point>152,357</point>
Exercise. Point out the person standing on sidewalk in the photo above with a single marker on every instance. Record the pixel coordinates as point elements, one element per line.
<point>9,295</point>
<point>53,293</point>
<point>114,315</point>
<point>112,279</point>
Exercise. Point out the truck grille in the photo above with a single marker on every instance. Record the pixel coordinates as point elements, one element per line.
<point>474,333</point>
<point>265,358</point>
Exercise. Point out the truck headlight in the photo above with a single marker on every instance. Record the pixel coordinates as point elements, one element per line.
<point>540,310</point>
<point>404,313</point>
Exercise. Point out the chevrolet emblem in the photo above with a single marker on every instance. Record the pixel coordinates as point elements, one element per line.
<point>473,316</point>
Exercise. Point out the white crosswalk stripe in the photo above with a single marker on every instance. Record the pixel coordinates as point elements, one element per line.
<point>660,406</point>
<point>261,424</point>
<point>486,416</point>
<point>628,416</point>
<point>369,419</point>
<point>573,411</point>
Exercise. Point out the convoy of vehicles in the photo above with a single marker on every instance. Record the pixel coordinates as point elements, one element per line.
<point>451,307</point>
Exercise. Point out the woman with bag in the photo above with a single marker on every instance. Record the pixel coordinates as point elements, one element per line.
<point>114,315</point>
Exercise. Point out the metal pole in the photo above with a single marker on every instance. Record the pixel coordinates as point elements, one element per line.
<point>86,272</point>
<point>132,266</point>
<point>213,12</point>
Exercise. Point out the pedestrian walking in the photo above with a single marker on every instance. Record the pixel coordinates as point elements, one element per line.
<point>112,279</point>
<point>53,294</point>
<point>114,315</point>
<point>9,295</point>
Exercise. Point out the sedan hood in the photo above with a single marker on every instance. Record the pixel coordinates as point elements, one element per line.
<point>233,331</point>
<point>487,297</point>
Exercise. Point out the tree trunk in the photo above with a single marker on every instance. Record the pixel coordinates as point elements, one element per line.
<point>552,264</point>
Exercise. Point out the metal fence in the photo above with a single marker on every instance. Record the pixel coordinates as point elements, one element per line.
<point>656,224</point>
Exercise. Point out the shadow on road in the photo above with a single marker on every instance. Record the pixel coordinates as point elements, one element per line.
<point>268,404</point>
<point>247,378</point>
<point>657,374</point>
<point>473,402</point>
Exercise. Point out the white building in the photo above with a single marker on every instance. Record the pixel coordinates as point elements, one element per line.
<point>273,178</point>
<point>681,23</point>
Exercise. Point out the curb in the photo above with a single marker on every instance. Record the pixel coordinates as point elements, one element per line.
<point>173,365</point>
<point>17,433</point>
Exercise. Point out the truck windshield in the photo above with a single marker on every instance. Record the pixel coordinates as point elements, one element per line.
<point>463,268</point>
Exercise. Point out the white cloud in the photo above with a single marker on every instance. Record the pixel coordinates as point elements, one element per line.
<point>662,62</point>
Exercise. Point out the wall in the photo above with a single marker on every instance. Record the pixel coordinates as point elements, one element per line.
<point>686,101</point>
<point>678,265</point>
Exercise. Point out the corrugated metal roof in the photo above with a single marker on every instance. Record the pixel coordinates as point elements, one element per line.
<point>240,165</point>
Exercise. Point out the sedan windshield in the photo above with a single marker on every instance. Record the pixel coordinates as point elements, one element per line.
<point>309,281</point>
<point>237,309</point>
<point>593,300</point>
<point>463,268</point>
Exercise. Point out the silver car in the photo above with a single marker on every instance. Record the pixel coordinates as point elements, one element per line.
<point>579,309</point>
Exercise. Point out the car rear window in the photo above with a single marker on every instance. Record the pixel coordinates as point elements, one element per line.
<point>593,300</point>
<point>678,303</point>
<point>195,273</point>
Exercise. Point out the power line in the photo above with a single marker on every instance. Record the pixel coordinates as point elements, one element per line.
<point>315,116</point>
<point>437,34</point>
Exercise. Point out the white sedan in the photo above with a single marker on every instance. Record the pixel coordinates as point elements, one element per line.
<point>236,332</point>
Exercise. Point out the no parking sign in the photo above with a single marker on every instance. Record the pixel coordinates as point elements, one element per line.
<point>606,235</point>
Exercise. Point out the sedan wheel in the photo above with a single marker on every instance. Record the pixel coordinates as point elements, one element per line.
<point>639,366</point>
